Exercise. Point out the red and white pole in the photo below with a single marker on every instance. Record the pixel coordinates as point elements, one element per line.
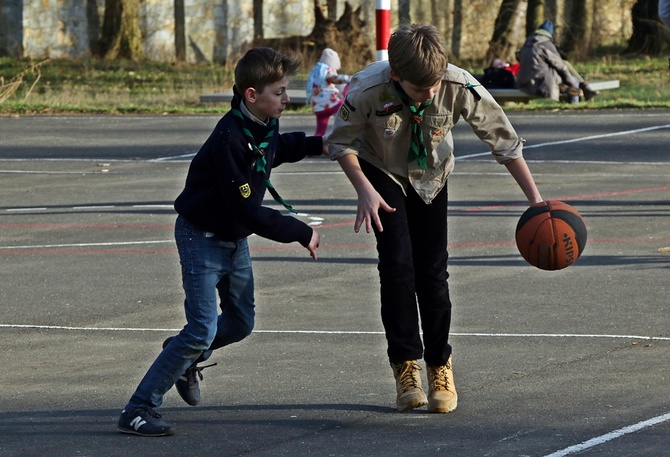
<point>383,23</point>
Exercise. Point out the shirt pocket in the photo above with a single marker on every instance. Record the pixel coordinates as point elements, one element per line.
<point>388,127</point>
<point>437,126</point>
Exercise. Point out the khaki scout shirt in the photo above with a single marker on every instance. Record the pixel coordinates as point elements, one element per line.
<point>374,124</point>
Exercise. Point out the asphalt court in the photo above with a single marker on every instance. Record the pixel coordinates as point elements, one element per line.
<point>573,362</point>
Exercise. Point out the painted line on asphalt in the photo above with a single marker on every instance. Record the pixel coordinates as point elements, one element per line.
<point>593,442</point>
<point>346,332</point>
<point>84,245</point>
<point>30,247</point>
<point>576,140</point>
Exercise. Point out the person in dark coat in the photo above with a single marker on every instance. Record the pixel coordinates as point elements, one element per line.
<point>543,70</point>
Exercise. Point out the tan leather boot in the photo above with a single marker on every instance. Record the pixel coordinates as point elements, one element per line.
<point>408,385</point>
<point>442,396</point>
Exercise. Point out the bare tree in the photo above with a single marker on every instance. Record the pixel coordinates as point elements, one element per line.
<point>535,15</point>
<point>649,34</point>
<point>457,29</point>
<point>504,41</point>
<point>179,30</point>
<point>331,8</point>
<point>121,36</point>
<point>258,19</point>
<point>403,12</point>
<point>577,40</point>
<point>346,36</point>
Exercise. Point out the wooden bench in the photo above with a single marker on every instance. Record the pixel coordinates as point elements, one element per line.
<point>299,97</point>
<point>515,95</point>
<point>296,92</point>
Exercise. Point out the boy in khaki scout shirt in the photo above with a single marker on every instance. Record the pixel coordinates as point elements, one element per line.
<point>393,140</point>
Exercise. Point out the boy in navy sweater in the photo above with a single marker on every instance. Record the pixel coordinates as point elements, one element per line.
<point>220,206</point>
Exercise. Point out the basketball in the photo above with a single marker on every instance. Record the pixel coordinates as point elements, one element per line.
<point>551,235</point>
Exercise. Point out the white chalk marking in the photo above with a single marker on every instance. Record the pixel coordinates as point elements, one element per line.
<point>610,436</point>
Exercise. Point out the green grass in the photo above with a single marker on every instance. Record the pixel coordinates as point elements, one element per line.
<point>121,87</point>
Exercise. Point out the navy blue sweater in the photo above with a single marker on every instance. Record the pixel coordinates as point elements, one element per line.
<point>224,193</point>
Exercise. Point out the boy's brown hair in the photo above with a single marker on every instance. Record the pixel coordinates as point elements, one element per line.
<point>260,67</point>
<point>417,54</point>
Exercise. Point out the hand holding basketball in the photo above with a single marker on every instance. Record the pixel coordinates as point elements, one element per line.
<point>551,235</point>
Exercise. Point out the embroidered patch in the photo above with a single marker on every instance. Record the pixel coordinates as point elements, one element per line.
<point>245,190</point>
<point>388,110</point>
<point>387,97</point>
<point>344,113</point>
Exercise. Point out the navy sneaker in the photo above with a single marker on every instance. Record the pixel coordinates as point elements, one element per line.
<point>188,384</point>
<point>144,422</point>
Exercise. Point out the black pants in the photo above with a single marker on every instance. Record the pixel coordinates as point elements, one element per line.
<point>413,268</point>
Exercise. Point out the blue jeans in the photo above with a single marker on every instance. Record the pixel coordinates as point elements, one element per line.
<point>208,266</point>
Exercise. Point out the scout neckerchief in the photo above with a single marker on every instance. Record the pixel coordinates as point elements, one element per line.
<point>258,150</point>
<point>417,150</point>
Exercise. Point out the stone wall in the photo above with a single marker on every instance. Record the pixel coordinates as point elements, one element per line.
<point>219,30</point>
<point>55,28</point>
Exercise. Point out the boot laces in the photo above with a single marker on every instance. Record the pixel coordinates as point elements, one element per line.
<point>408,375</point>
<point>192,373</point>
<point>149,414</point>
<point>440,377</point>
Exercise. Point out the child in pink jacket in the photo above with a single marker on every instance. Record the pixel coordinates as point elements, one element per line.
<point>323,93</point>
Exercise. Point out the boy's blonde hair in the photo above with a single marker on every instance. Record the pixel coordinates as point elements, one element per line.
<point>417,54</point>
<point>260,67</point>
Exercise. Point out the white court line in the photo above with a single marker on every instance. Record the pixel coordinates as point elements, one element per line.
<point>93,207</point>
<point>575,140</point>
<point>345,332</point>
<point>84,245</point>
<point>188,155</point>
<point>18,210</point>
<point>610,436</point>
<point>88,207</point>
<point>569,450</point>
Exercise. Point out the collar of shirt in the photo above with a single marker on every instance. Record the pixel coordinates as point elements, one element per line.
<point>247,113</point>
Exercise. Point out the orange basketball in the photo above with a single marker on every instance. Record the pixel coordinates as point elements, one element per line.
<point>551,235</point>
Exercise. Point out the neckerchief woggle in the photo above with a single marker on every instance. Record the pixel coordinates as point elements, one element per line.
<point>258,150</point>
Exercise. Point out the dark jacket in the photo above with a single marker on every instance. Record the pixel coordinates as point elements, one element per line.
<point>224,193</point>
<point>542,69</point>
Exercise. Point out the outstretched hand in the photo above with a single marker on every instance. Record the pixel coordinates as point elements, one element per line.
<point>369,204</point>
<point>313,244</point>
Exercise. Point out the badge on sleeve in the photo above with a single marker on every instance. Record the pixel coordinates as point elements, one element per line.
<point>344,112</point>
<point>245,190</point>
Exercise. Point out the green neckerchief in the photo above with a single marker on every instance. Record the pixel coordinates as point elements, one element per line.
<point>258,150</point>
<point>417,150</point>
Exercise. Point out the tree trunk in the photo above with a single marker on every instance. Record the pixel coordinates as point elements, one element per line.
<point>505,41</point>
<point>457,29</point>
<point>93,29</point>
<point>346,37</point>
<point>649,34</point>
<point>258,19</point>
<point>179,31</point>
<point>121,36</point>
<point>577,42</point>
<point>331,7</point>
<point>404,14</point>
<point>534,15</point>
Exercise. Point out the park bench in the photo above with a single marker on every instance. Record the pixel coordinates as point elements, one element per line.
<point>515,95</point>
<point>296,92</point>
